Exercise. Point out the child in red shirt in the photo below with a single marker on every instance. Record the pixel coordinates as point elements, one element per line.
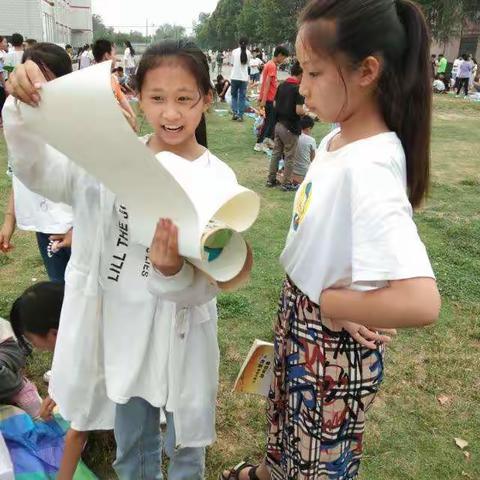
<point>267,95</point>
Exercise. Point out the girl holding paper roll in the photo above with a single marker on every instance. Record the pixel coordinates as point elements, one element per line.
<point>138,327</point>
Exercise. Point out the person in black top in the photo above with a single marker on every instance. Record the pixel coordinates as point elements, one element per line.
<point>221,87</point>
<point>289,107</point>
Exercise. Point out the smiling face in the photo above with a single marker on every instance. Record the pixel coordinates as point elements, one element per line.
<point>173,103</point>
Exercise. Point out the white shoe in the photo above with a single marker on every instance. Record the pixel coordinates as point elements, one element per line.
<point>47,376</point>
<point>265,148</point>
<point>258,147</point>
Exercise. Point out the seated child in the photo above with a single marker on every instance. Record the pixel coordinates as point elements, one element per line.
<point>34,319</point>
<point>123,80</point>
<point>306,149</point>
<point>438,85</point>
<point>15,388</point>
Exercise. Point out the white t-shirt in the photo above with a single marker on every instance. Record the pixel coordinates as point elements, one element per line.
<point>35,213</point>
<point>456,66</point>
<point>85,59</point>
<point>305,149</point>
<point>12,59</point>
<point>2,62</point>
<point>239,70</point>
<point>438,86</point>
<point>352,223</point>
<point>255,64</point>
<point>128,60</point>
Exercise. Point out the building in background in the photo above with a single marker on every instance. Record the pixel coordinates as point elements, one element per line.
<point>467,42</point>
<point>56,21</point>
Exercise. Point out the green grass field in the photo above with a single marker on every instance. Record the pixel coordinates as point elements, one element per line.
<point>410,435</point>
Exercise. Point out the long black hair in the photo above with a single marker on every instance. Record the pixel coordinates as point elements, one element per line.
<point>243,47</point>
<point>129,45</point>
<point>50,58</point>
<point>193,59</point>
<point>37,311</point>
<point>397,31</point>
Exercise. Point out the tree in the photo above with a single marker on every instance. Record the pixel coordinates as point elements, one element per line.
<point>168,31</point>
<point>265,22</point>
<point>446,17</point>
<point>227,13</point>
<point>100,30</point>
<point>271,22</point>
<point>248,21</point>
<point>201,29</point>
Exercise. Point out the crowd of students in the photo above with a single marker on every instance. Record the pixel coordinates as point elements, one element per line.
<point>463,75</point>
<point>282,118</point>
<point>142,344</point>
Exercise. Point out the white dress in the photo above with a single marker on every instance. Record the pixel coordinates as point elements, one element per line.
<point>118,340</point>
<point>128,61</point>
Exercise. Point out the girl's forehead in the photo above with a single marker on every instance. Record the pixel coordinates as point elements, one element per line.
<point>315,41</point>
<point>172,75</point>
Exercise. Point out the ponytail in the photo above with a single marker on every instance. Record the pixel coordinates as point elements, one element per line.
<point>397,31</point>
<point>243,46</point>
<point>413,126</point>
<point>201,132</point>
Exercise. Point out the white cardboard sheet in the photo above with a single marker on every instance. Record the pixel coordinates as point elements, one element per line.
<point>79,116</point>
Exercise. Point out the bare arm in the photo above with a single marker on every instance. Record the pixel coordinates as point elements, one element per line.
<point>225,89</point>
<point>9,224</point>
<point>10,210</point>
<point>74,443</point>
<point>403,304</point>
<point>265,90</point>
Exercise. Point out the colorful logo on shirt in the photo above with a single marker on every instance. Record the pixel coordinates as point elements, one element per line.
<point>302,204</point>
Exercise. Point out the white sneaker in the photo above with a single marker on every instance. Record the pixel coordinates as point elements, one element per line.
<point>258,147</point>
<point>265,148</point>
<point>47,376</point>
<point>269,142</point>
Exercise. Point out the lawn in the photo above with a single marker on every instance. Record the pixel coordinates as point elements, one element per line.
<point>410,433</point>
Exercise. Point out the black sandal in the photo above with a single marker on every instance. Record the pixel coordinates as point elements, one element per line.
<point>234,473</point>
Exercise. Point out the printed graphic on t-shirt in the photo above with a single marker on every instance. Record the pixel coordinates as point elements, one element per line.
<point>302,204</point>
<point>120,255</point>
<point>121,248</point>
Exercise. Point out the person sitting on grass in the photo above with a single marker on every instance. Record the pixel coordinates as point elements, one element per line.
<point>15,388</point>
<point>123,80</point>
<point>307,146</point>
<point>35,318</point>
<point>438,85</point>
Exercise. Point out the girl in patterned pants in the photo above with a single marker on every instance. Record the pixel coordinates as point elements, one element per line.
<point>355,264</point>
